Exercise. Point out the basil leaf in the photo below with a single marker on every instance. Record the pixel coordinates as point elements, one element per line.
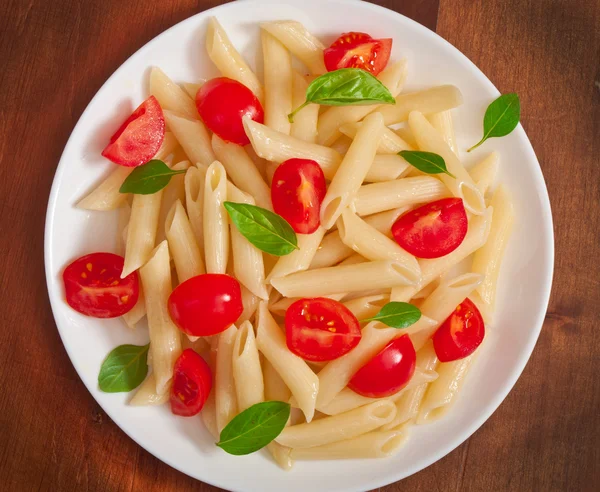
<point>427,162</point>
<point>254,428</point>
<point>397,315</point>
<point>124,368</point>
<point>501,117</point>
<point>269,232</point>
<point>148,178</point>
<point>346,87</point>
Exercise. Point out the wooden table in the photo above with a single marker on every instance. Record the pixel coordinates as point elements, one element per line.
<point>56,55</point>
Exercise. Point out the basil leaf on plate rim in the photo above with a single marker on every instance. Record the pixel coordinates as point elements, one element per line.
<point>427,162</point>
<point>148,178</point>
<point>124,368</point>
<point>397,315</point>
<point>501,117</point>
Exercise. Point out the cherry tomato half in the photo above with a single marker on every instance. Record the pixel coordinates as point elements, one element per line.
<point>320,329</point>
<point>222,103</point>
<point>140,137</point>
<point>432,230</point>
<point>388,372</point>
<point>460,334</point>
<point>358,50</point>
<point>192,382</point>
<point>297,192</point>
<point>206,304</point>
<point>94,287</point>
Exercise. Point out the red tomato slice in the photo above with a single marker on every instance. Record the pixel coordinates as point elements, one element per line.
<point>388,372</point>
<point>358,50</point>
<point>140,137</point>
<point>192,382</point>
<point>94,287</point>
<point>460,334</point>
<point>432,230</point>
<point>297,192</point>
<point>222,103</point>
<point>320,329</point>
<point>206,304</point>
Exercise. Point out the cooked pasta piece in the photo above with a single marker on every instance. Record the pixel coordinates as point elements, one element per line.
<point>146,393</point>
<point>192,88</point>
<point>247,373</point>
<point>225,390</point>
<point>193,136</point>
<point>304,126</point>
<point>170,96</point>
<point>250,304</point>
<point>134,316</point>
<point>122,222</point>
<point>406,134</point>
<point>275,387</point>
<point>299,259</point>
<point>390,143</point>
<point>367,306</point>
<point>194,202</point>
<point>209,415</point>
<point>174,191</point>
<point>387,167</point>
<point>484,173</point>
<point>278,83</point>
<point>443,123</point>
<point>215,219</point>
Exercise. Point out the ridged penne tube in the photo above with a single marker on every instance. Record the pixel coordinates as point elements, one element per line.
<point>242,171</point>
<point>228,60</point>
<point>275,387</point>
<point>247,373</point>
<point>429,101</point>
<point>304,126</point>
<point>484,173</point>
<point>406,134</point>
<point>209,415</point>
<point>378,197</point>
<point>138,311</point>
<point>390,142</point>
<point>193,137</point>
<point>392,77</point>
<point>250,304</point>
<point>170,96</point>
<point>225,390</point>
<point>192,88</point>
<point>342,144</point>
<point>298,377</point>
<point>165,344</point>
<point>281,454</point>
<point>461,185</point>
<point>377,444</point>
<point>367,306</point>
<point>294,36</point>
<point>146,394</point>
<point>443,123</point>
<point>352,171</point>
<point>374,245</point>
<point>443,300</point>
<point>173,192</point>
<point>215,219</point>
<point>299,259</point>
<point>122,223</point>
<point>194,202</point>
<point>280,306</point>
<point>387,167</point>
<point>338,427</point>
<point>278,83</point>
<point>182,244</point>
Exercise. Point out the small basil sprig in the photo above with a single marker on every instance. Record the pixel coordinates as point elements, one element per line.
<point>397,315</point>
<point>148,178</point>
<point>268,231</point>
<point>254,428</point>
<point>426,162</point>
<point>124,369</point>
<point>345,87</point>
<point>501,117</point>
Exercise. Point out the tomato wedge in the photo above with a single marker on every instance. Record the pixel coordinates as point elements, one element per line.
<point>320,329</point>
<point>222,103</point>
<point>358,50</point>
<point>140,137</point>
<point>432,230</point>
<point>94,287</point>
<point>297,192</point>
<point>206,304</point>
<point>460,334</point>
<point>192,382</point>
<point>388,372</point>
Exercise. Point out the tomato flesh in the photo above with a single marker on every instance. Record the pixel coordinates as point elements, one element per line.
<point>358,50</point>
<point>320,329</point>
<point>297,192</point>
<point>222,103</point>
<point>460,334</point>
<point>139,138</point>
<point>388,372</point>
<point>432,230</point>
<point>94,287</point>
<point>192,382</point>
<point>206,304</point>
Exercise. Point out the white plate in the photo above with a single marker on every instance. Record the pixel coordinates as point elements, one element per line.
<point>524,284</point>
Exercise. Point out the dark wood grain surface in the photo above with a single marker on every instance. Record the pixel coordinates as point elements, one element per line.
<point>56,54</point>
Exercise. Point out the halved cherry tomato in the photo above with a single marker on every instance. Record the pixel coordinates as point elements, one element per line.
<point>358,50</point>
<point>222,103</point>
<point>192,382</point>
<point>320,329</point>
<point>432,230</point>
<point>206,304</point>
<point>460,334</point>
<point>388,372</point>
<point>140,137</point>
<point>297,192</point>
<point>94,287</point>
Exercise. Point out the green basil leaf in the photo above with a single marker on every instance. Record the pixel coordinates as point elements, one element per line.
<point>346,87</point>
<point>254,428</point>
<point>501,117</point>
<point>426,162</point>
<point>397,315</point>
<point>124,368</point>
<point>269,232</point>
<point>148,178</point>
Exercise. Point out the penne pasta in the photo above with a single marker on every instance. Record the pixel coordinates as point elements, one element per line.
<point>215,219</point>
<point>367,306</point>
<point>174,191</point>
<point>170,96</point>
<point>275,387</point>
<point>484,173</point>
<point>299,259</point>
<point>122,223</point>
<point>225,391</point>
<point>132,317</point>
<point>192,88</point>
<point>250,304</point>
<point>193,137</point>
<point>406,134</point>
<point>387,167</point>
<point>443,123</point>
<point>304,126</point>
<point>209,415</point>
<point>194,202</point>
<point>390,143</point>
<point>146,393</point>
<point>247,373</point>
